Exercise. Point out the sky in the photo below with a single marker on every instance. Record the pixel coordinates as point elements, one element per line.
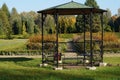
<point>36,5</point>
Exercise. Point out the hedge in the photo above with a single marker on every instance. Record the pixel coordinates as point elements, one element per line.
<point>22,52</point>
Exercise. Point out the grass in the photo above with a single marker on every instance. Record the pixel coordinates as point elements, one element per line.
<point>14,44</point>
<point>113,60</point>
<point>118,34</point>
<point>66,36</point>
<point>28,69</point>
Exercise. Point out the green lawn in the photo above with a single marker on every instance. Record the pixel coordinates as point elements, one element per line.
<point>118,34</point>
<point>28,69</point>
<point>14,44</point>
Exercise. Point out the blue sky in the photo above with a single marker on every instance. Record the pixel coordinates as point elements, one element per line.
<point>35,5</point>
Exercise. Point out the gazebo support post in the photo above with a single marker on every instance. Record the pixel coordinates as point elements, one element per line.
<point>91,42</point>
<point>101,45</point>
<point>84,20</point>
<point>57,30</point>
<point>43,16</point>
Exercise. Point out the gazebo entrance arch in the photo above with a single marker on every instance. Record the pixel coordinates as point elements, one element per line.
<point>73,8</point>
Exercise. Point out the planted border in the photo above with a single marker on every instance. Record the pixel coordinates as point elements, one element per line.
<point>22,52</point>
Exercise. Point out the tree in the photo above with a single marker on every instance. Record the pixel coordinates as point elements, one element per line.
<point>107,18</point>
<point>4,13</point>
<point>5,9</point>
<point>16,22</point>
<point>119,12</point>
<point>95,18</point>
<point>49,24</point>
<point>37,29</point>
<point>28,20</point>
<point>71,24</point>
<point>30,25</point>
<point>111,22</point>
<point>5,24</point>
<point>62,21</point>
<point>117,24</point>
<point>66,24</point>
<point>1,27</point>
<point>38,20</point>
<point>24,29</point>
<point>108,14</point>
<point>79,24</point>
<point>91,3</point>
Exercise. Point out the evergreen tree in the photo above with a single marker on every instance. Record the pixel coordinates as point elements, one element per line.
<point>117,24</point>
<point>49,24</point>
<point>36,29</point>
<point>107,18</point>
<point>16,22</point>
<point>1,27</point>
<point>91,3</point>
<point>28,20</point>
<point>5,9</point>
<point>5,24</point>
<point>38,20</point>
<point>30,25</point>
<point>24,29</point>
<point>111,22</point>
<point>95,18</point>
<point>119,12</point>
<point>79,24</point>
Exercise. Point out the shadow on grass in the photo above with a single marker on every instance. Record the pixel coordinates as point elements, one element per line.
<point>18,59</point>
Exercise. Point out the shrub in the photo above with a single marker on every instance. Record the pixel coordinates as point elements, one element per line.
<point>34,42</point>
<point>34,46</point>
<point>110,37</point>
<point>111,40</point>
<point>38,38</point>
<point>21,52</point>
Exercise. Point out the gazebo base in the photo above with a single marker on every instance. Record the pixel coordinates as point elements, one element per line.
<point>58,68</point>
<point>43,65</point>
<point>102,64</point>
<point>91,68</point>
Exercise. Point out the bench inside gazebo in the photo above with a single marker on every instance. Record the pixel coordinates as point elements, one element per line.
<point>73,8</point>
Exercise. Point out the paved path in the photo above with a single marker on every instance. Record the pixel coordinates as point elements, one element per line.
<point>112,55</point>
<point>67,54</point>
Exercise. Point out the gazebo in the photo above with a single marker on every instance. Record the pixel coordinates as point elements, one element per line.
<point>73,8</point>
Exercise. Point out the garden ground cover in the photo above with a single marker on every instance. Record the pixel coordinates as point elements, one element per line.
<point>24,68</point>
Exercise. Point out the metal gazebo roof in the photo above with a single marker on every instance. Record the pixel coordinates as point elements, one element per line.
<point>71,8</point>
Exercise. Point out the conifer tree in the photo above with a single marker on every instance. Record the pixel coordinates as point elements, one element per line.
<point>16,22</point>
<point>5,24</point>
<point>95,19</point>
<point>5,9</point>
